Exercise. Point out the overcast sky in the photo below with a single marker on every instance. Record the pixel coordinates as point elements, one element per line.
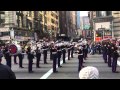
<point>83,13</point>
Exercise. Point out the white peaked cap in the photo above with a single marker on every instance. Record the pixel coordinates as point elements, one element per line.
<point>89,72</point>
<point>80,47</point>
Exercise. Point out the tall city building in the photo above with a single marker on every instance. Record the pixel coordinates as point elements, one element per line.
<point>85,26</point>
<point>67,22</point>
<point>16,25</point>
<point>48,25</point>
<point>78,19</point>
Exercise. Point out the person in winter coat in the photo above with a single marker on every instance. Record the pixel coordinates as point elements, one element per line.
<point>6,72</point>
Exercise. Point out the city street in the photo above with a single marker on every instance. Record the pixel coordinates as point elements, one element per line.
<point>68,70</point>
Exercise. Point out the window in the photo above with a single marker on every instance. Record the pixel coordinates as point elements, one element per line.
<point>52,21</point>
<point>30,13</point>
<point>109,13</point>
<point>2,16</point>
<point>52,14</point>
<point>56,17</point>
<point>52,27</point>
<point>40,17</point>
<point>45,20</point>
<point>5,33</point>
<point>45,27</point>
<point>45,12</point>
<point>103,13</point>
<point>56,22</point>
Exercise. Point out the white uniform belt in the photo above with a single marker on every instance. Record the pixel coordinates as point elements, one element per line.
<point>59,50</point>
<point>54,52</point>
<point>44,49</point>
<point>80,54</point>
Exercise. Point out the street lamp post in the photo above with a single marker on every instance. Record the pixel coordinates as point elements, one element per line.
<point>94,32</point>
<point>12,35</point>
<point>112,29</point>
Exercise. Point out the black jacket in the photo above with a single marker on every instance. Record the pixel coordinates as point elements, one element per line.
<point>6,72</point>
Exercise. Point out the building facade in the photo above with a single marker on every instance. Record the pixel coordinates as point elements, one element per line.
<point>102,24</point>
<point>47,24</point>
<point>110,20</point>
<point>68,23</point>
<point>17,25</point>
<point>116,24</point>
<point>78,23</point>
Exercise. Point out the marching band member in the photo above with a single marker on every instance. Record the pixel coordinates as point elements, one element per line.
<point>38,56</point>
<point>15,56</point>
<point>59,54</point>
<point>20,56</point>
<point>51,45</point>
<point>105,53</point>
<point>63,52</point>
<point>54,56</point>
<point>45,48</point>
<point>30,59</point>
<point>68,47</point>
<point>7,56</point>
<point>109,53</point>
<point>80,58</point>
<point>72,49</point>
<point>115,58</point>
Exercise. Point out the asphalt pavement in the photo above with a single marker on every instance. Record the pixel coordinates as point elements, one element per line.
<point>69,70</point>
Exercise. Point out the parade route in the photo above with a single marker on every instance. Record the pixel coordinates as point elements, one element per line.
<point>69,70</point>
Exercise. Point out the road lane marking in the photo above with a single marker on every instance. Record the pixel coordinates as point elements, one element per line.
<point>46,75</point>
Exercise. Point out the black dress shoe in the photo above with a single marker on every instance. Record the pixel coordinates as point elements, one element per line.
<point>83,66</point>
<point>55,72</point>
<point>116,72</point>
<point>37,67</point>
<point>21,67</point>
<point>31,72</point>
<point>15,63</point>
<point>46,63</point>
<point>60,66</point>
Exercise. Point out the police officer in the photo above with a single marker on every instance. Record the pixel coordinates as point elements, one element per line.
<point>80,58</point>
<point>54,56</point>
<point>64,53</point>
<point>68,47</point>
<point>115,57</point>
<point>7,56</point>
<point>45,48</point>
<point>51,51</point>
<point>30,59</point>
<point>59,52</point>
<point>38,56</point>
